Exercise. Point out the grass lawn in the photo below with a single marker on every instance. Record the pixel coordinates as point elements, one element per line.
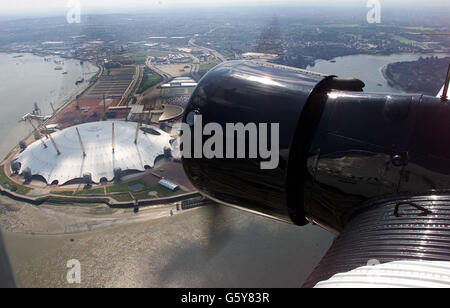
<point>121,192</point>
<point>122,197</point>
<point>204,68</point>
<point>139,59</point>
<point>8,183</point>
<point>161,191</point>
<point>125,187</point>
<point>149,80</point>
<point>62,193</point>
<point>96,191</point>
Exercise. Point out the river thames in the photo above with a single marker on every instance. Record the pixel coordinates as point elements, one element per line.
<point>27,79</point>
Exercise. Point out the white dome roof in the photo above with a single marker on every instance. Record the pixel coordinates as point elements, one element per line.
<point>100,161</point>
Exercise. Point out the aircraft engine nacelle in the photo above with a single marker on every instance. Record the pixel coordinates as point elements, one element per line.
<point>298,146</point>
<point>251,126</point>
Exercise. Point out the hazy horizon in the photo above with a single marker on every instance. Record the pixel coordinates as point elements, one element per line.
<point>35,8</point>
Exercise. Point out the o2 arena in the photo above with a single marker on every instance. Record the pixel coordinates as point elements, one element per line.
<point>96,149</point>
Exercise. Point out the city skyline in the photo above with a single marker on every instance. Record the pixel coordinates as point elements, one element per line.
<point>57,7</point>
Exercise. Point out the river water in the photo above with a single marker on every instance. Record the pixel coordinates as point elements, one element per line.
<point>366,68</point>
<point>27,79</point>
<point>174,251</point>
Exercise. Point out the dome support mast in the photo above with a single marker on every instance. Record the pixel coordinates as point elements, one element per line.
<point>81,142</point>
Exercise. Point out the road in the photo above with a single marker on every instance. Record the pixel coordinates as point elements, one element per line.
<point>136,80</point>
<point>195,64</point>
<point>165,75</point>
<point>195,61</point>
<point>215,53</point>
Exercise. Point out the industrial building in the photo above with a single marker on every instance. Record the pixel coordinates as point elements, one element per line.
<point>178,91</point>
<point>168,184</point>
<point>97,150</point>
<point>167,113</point>
<point>180,82</point>
<point>180,86</point>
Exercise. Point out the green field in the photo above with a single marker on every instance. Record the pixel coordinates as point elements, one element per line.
<point>149,80</point>
<point>125,187</point>
<point>8,183</point>
<point>204,68</point>
<point>161,191</point>
<point>97,191</point>
<point>139,189</point>
<point>123,197</point>
<point>140,193</point>
<point>139,59</point>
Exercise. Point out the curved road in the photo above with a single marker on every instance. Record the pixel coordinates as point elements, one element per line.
<point>215,53</point>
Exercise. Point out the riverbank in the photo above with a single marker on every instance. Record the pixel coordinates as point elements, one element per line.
<point>368,68</point>
<point>43,54</point>
<point>114,196</point>
<point>68,218</point>
<point>424,76</point>
<point>43,84</point>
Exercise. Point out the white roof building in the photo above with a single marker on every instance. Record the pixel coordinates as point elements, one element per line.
<point>168,184</point>
<point>183,82</point>
<point>100,160</point>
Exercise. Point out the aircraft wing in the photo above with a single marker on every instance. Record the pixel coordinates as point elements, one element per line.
<point>395,243</point>
<point>396,274</point>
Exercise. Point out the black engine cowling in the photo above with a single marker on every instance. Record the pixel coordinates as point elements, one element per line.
<point>250,92</point>
<point>337,145</point>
